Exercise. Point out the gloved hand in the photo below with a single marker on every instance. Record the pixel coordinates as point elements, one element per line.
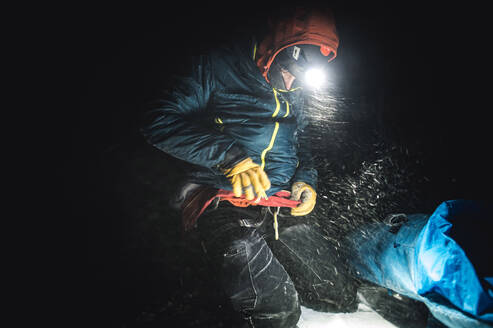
<point>247,177</point>
<point>307,195</point>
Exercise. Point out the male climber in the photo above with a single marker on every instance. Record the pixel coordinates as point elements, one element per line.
<point>237,118</point>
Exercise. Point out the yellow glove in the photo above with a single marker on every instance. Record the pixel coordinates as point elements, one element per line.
<point>246,176</point>
<point>307,195</point>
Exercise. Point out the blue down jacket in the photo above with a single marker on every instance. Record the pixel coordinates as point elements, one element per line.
<point>223,105</point>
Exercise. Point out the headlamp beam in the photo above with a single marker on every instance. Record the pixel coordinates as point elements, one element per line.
<point>314,77</point>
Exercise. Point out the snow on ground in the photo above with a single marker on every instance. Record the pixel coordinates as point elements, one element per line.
<point>365,317</point>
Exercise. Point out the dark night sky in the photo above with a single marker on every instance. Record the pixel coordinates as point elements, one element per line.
<point>426,61</point>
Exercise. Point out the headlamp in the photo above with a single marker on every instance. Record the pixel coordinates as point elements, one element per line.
<point>314,78</point>
<point>305,62</point>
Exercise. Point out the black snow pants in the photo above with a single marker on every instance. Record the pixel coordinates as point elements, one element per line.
<point>267,280</point>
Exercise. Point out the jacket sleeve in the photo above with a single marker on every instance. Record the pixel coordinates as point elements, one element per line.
<point>306,171</point>
<point>173,123</point>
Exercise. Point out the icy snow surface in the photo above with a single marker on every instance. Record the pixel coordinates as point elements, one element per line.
<point>365,317</point>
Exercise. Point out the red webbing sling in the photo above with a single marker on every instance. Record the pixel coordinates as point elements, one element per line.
<point>199,201</point>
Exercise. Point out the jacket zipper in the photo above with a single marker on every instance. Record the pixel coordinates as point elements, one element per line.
<point>271,144</point>
<point>276,128</point>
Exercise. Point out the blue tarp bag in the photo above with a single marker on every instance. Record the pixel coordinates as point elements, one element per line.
<point>442,260</point>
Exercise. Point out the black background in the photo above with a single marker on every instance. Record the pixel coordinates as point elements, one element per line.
<point>427,61</point>
<point>427,64</point>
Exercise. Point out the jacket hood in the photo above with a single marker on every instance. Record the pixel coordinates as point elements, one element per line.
<point>302,26</point>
